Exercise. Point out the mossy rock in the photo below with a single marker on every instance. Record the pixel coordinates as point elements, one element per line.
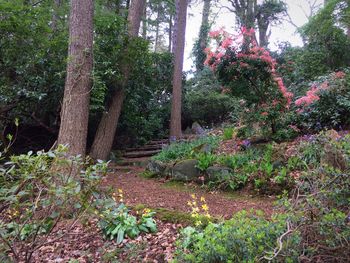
<point>186,171</point>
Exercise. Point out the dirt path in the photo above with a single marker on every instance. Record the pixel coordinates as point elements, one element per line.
<point>154,193</point>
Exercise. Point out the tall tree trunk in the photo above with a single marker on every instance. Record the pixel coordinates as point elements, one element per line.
<point>55,17</point>
<point>75,108</point>
<point>170,32</point>
<point>203,36</point>
<point>106,130</point>
<point>175,120</point>
<point>144,22</point>
<point>157,29</point>
<point>263,26</point>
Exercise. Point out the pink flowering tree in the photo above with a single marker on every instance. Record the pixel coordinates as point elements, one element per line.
<point>249,72</point>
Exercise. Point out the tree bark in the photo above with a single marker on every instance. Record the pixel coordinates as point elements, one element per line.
<point>179,47</point>
<point>157,29</point>
<point>170,32</point>
<point>55,17</point>
<point>75,108</point>
<point>144,22</point>
<point>106,130</point>
<point>203,36</point>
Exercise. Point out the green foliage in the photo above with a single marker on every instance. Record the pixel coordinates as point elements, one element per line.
<point>116,221</point>
<point>183,150</point>
<point>244,238</point>
<point>39,191</point>
<point>205,160</point>
<point>228,133</point>
<point>318,208</point>
<point>333,105</point>
<point>32,68</point>
<point>205,103</point>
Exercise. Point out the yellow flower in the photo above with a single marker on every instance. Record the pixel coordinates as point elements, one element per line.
<point>205,207</point>
<point>193,196</point>
<point>120,191</point>
<point>198,223</point>
<point>202,199</point>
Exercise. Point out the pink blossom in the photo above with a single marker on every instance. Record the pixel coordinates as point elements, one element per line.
<point>226,42</point>
<point>340,75</point>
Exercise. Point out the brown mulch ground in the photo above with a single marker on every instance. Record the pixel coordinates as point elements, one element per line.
<point>86,243</point>
<point>156,194</point>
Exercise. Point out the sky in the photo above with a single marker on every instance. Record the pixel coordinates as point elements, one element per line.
<point>297,9</point>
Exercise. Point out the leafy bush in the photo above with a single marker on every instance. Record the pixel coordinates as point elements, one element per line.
<point>205,160</point>
<point>116,221</point>
<point>318,208</point>
<point>228,133</point>
<point>244,238</point>
<point>40,190</point>
<point>182,150</point>
<point>209,108</point>
<point>326,104</point>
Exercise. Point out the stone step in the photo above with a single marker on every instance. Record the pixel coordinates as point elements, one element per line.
<point>137,154</point>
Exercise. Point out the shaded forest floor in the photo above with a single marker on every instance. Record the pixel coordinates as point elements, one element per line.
<point>168,199</point>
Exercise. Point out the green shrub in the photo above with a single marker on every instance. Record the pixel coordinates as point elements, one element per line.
<point>205,160</point>
<point>228,133</point>
<point>182,150</point>
<point>209,107</point>
<point>39,191</point>
<point>244,238</point>
<point>318,208</point>
<point>117,222</point>
<point>332,107</point>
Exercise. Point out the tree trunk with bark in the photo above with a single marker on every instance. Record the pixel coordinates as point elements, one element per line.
<point>170,35</point>
<point>75,108</point>
<point>203,36</point>
<point>106,130</point>
<point>179,47</point>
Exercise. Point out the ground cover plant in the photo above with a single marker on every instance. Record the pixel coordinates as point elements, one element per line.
<point>41,191</point>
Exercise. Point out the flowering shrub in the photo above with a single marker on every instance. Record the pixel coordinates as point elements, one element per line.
<point>327,103</point>
<point>250,73</point>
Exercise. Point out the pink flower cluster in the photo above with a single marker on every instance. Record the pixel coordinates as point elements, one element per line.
<point>254,52</point>
<point>340,74</point>
<point>311,95</point>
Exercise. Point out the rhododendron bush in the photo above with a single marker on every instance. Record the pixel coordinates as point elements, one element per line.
<point>249,72</point>
<point>327,102</point>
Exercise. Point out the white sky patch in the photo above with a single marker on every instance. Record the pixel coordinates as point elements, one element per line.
<point>298,10</point>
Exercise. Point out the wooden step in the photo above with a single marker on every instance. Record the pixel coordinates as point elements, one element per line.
<point>146,148</point>
<point>141,161</point>
<point>158,142</point>
<point>137,154</point>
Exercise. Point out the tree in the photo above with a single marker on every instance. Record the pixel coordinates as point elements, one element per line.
<point>106,130</point>
<point>75,108</point>
<point>251,14</point>
<point>179,47</point>
<point>202,42</point>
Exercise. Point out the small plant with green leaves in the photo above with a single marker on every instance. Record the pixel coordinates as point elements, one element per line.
<point>40,190</point>
<point>205,160</point>
<point>116,222</point>
<point>183,150</point>
<point>228,133</point>
<point>244,238</point>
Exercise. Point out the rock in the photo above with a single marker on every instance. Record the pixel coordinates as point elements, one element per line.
<point>215,173</point>
<point>156,167</point>
<point>277,164</point>
<point>197,129</point>
<point>186,171</point>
